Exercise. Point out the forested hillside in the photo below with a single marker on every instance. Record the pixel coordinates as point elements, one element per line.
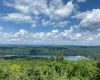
<point>93,51</point>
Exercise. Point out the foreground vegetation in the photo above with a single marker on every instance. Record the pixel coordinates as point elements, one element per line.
<point>49,69</point>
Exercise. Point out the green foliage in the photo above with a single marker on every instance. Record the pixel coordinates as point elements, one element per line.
<point>47,69</point>
<point>59,57</point>
<point>15,67</point>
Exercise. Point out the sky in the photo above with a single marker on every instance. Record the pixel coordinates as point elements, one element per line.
<point>50,22</point>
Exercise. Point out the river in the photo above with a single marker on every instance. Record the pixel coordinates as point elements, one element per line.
<point>39,56</point>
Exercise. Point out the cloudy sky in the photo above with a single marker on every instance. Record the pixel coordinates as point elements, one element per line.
<point>45,22</point>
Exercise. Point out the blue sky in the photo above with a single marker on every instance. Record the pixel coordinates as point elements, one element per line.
<point>55,22</point>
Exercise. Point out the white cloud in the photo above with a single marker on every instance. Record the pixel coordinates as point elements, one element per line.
<point>34,25</point>
<point>21,33</point>
<point>56,14</point>
<point>90,38</point>
<point>63,11</point>
<point>81,15</point>
<point>55,24</point>
<point>14,40</point>
<point>55,31</point>
<point>17,17</point>
<point>62,23</point>
<point>35,11</point>
<point>90,20</point>
<point>54,36</point>
<point>48,23</point>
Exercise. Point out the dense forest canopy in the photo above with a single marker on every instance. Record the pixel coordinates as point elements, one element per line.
<point>49,69</point>
<point>93,51</point>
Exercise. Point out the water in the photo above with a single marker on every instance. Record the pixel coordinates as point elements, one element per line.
<point>41,56</point>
